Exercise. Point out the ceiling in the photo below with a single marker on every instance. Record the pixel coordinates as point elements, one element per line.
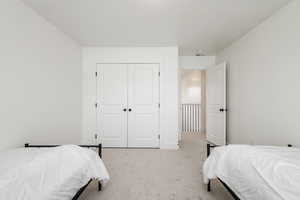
<point>207,25</point>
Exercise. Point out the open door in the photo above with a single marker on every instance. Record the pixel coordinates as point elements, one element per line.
<point>216,104</point>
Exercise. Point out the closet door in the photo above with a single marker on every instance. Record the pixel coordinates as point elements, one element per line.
<point>112,100</point>
<point>143,105</point>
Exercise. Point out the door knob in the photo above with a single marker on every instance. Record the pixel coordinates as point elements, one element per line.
<point>124,109</point>
<point>222,110</point>
<point>129,109</point>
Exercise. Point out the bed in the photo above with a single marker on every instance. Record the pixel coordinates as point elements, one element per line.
<point>255,172</point>
<point>48,172</point>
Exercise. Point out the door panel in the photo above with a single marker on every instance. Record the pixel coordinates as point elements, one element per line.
<point>143,100</point>
<point>112,99</point>
<point>216,101</point>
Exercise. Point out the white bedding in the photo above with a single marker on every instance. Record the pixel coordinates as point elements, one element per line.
<point>256,172</point>
<point>48,173</point>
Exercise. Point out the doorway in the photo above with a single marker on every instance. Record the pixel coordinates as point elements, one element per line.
<point>202,97</point>
<point>128,111</point>
<point>192,98</point>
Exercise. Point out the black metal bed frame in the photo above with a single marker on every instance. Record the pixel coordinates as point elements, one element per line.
<point>208,147</point>
<point>99,146</point>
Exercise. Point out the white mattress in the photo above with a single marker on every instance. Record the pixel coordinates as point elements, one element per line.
<point>256,172</point>
<point>48,173</point>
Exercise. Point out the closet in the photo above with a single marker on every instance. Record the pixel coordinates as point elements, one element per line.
<point>128,105</point>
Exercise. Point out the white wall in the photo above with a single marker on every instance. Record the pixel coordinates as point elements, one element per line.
<point>196,62</point>
<point>264,81</point>
<point>40,80</point>
<point>168,59</point>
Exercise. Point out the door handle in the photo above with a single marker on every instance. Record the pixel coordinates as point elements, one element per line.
<point>222,110</point>
<point>129,109</point>
<point>124,109</point>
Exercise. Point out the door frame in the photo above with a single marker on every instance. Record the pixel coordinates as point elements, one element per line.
<point>98,138</point>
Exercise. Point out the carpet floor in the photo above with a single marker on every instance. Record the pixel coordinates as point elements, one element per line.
<point>153,174</point>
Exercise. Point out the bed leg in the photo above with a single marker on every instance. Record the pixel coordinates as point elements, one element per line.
<point>99,186</point>
<point>100,150</point>
<point>207,149</point>
<point>100,155</point>
<point>207,154</point>
<point>208,186</point>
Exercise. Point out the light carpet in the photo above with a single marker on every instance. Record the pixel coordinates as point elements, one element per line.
<point>153,174</point>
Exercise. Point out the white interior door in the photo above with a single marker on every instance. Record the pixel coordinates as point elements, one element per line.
<point>112,100</point>
<point>216,104</point>
<point>143,105</point>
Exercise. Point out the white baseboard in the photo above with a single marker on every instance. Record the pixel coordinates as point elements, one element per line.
<point>169,146</point>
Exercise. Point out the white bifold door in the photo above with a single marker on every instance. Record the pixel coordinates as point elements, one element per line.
<point>216,104</point>
<point>128,105</point>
